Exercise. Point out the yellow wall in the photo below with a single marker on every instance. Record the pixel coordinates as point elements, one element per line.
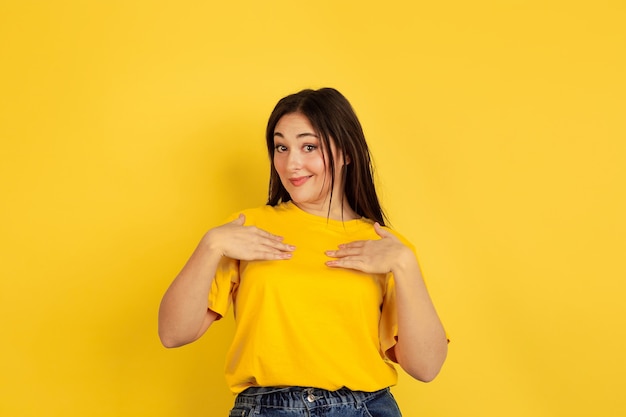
<point>130,127</point>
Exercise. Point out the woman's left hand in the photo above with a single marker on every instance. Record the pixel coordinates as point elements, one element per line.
<point>371,256</point>
<point>421,345</point>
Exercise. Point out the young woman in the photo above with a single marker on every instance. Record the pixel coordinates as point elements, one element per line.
<point>325,297</point>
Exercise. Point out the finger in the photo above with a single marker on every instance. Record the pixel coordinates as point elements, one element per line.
<point>345,263</point>
<point>343,252</point>
<point>269,255</point>
<point>265,234</point>
<point>354,244</point>
<point>265,238</point>
<point>382,232</point>
<point>239,221</point>
<point>273,244</point>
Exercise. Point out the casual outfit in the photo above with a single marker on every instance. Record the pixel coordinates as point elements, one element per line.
<point>305,331</point>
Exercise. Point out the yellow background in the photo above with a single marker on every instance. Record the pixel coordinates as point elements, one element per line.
<point>128,128</point>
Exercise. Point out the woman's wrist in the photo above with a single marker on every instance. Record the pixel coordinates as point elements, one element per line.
<point>210,243</point>
<point>405,262</point>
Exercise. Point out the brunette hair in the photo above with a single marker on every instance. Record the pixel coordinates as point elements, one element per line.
<point>333,118</point>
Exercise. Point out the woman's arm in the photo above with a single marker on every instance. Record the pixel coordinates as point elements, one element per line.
<point>184,315</point>
<point>422,346</point>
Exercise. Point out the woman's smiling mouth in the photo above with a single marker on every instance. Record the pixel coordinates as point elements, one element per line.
<point>298,181</point>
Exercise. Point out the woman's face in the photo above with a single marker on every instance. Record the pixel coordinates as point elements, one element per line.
<point>303,165</point>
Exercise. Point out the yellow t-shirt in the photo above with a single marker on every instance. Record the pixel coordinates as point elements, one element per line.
<point>301,323</point>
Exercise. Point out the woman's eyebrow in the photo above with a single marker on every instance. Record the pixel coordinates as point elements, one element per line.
<point>298,136</point>
<point>307,134</point>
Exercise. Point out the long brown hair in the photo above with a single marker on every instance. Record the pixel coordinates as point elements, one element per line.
<point>333,118</point>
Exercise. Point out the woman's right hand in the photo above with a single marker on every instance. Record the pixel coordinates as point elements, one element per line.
<point>247,243</point>
<point>184,314</point>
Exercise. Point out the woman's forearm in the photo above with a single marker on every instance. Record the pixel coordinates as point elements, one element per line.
<point>422,346</point>
<point>183,314</point>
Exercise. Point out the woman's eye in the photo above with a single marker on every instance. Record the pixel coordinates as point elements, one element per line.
<point>280,148</point>
<point>310,148</point>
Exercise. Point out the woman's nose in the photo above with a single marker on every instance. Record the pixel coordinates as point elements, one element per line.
<point>294,161</point>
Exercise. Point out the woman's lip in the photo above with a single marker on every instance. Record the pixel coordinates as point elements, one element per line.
<point>299,180</point>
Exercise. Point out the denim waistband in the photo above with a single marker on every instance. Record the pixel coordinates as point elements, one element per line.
<point>303,397</point>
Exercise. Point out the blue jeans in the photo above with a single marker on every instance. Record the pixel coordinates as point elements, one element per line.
<point>313,402</point>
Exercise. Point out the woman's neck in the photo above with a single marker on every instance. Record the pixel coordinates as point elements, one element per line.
<point>340,210</point>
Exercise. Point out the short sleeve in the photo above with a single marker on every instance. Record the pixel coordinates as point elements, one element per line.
<point>224,286</point>
<point>225,283</point>
<point>388,327</point>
